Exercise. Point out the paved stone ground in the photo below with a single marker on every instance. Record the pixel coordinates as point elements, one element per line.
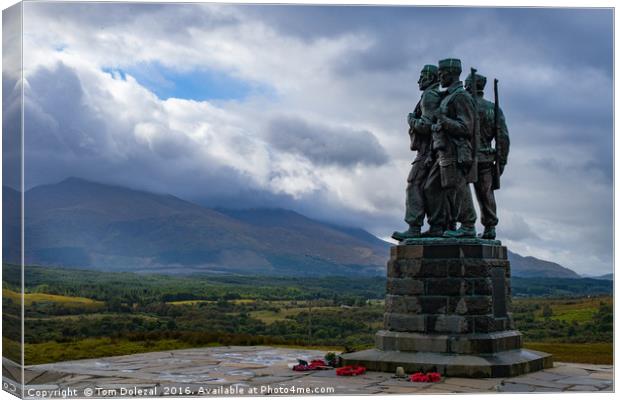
<point>237,370</point>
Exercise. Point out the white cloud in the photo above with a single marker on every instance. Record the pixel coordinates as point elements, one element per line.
<point>354,79</point>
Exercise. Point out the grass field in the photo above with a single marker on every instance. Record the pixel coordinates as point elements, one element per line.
<point>575,315</point>
<point>269,317</point>
<point>67,301</point>
<point>581,311</point>
<point>585,353</point>
<point>93,316</point>
<point>278,303</point>
<point>569,310</point>
<point>11,350</point>
<point>192,302</point>
<point>189,302</point>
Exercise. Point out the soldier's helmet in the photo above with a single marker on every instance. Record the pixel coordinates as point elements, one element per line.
<point>453,64</point>
<point>481,81</point>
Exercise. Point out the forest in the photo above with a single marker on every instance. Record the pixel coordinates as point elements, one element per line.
<point>72,314</point>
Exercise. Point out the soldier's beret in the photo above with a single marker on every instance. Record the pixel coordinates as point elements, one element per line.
<point>452,63</point>
<point>481,80</point>
<point>429,69</point>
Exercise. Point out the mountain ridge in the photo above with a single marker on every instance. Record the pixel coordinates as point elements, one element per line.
<point>79,223</point>
<point>605,277</point>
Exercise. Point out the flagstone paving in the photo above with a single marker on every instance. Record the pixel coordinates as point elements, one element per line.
<point>253,370</point>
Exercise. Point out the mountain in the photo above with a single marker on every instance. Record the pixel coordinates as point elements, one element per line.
<point>78,223</point>
<point>11,232</point>
<point>85,224</point>
<point>606,277</point>
<point>532,267</point>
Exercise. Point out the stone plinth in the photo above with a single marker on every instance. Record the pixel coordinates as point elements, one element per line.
<point>447,308</point>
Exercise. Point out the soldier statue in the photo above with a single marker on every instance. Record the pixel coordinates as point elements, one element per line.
<point>420,122</point>
<point>446,189</point>
<point>491,161</point>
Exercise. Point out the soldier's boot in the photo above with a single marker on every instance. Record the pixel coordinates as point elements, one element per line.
<point>462,232</point>
<point>489,233</point>
<point>411,233</point>
<point>433,231</point>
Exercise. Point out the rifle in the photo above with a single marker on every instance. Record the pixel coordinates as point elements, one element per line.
<point>496,172</point>
<point>472,175</point>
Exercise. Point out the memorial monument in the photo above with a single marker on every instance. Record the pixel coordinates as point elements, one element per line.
<point>447,307</point>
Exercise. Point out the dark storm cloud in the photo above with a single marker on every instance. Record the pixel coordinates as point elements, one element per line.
<point>59,119</point>
<point>11,132</point>
<point>100,22</point>
<point>409,37</point>
<point>91,13</point>
<point>554,67</point>
<point>312,22</point>
<point>172,18</point>
<point>65,136</point>
<point>11,97</point>
<point>519,229</point>
<point>324,144</point>
<point>571,37</point>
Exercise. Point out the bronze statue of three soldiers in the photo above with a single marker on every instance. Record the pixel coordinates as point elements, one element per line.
<point>453,132</point>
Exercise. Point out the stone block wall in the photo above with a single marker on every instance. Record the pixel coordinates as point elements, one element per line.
<point>448,289</point>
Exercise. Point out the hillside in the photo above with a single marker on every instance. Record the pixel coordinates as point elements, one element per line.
<point>84,224</point>
<point>77,223</point>
<point>532,267</point>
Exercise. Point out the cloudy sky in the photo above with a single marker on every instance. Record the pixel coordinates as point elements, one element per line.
<point>304,107</point>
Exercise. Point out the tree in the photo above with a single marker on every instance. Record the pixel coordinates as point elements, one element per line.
<point>547,311</point>
<point>572,331</point>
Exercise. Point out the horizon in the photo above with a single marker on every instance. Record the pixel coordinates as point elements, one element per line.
<point>76,178</point>
<point>303,107</point>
